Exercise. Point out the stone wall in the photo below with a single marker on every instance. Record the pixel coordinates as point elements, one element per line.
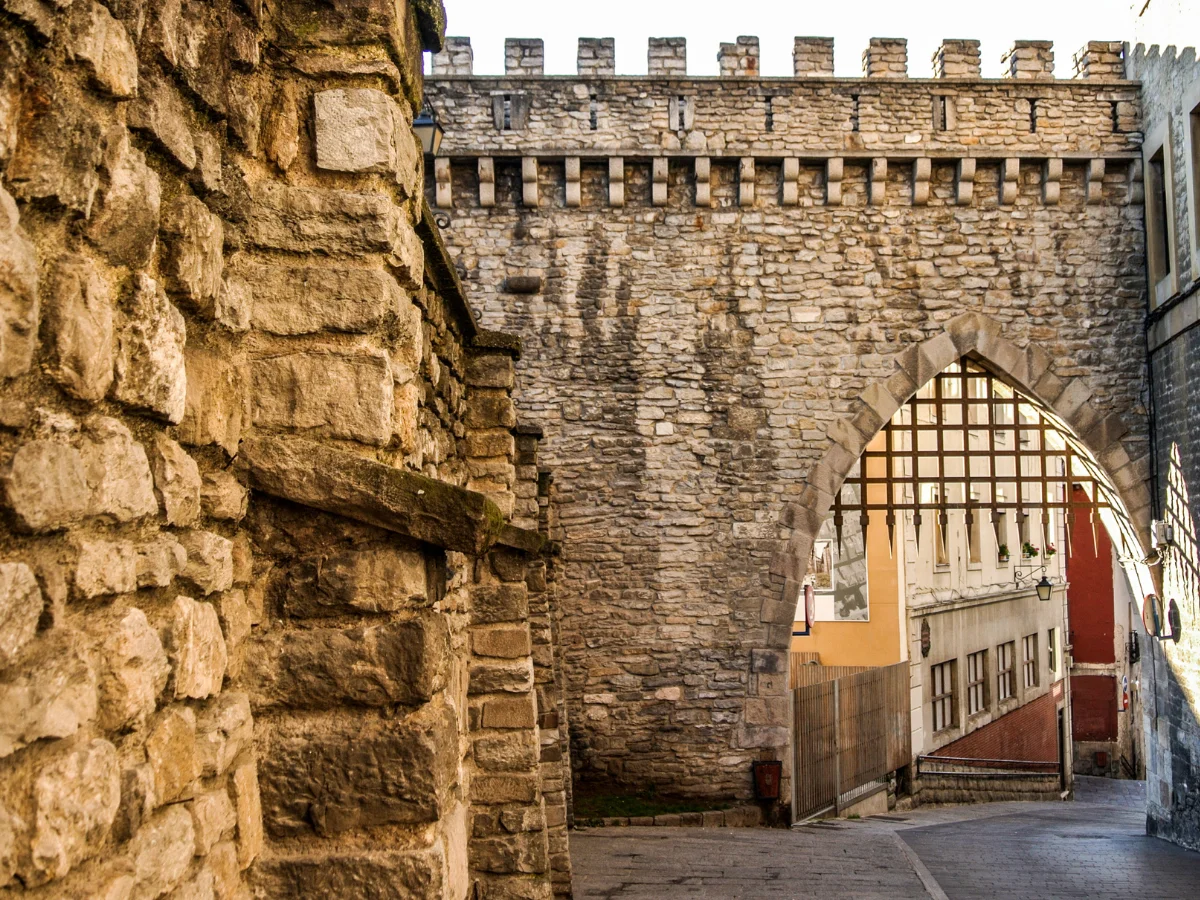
<point>1171,668</point>
<point>269,528</point>
<point>724,286</point>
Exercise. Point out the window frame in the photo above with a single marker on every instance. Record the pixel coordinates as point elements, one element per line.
<point>1191,152</point>
<point>1006,676</point>
<point>947,699</point>
<point>1052,651</point>
<point>1029,661</point>
<point>1162,285</point>
<point>977,683</point>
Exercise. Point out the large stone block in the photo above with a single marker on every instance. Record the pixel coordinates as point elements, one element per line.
<point>79,328</point>
<point>249,814</point>
<point>197,649</point>
<point>60,150</point>
<point>150,369</point>
<point>118,472</point>
<point>492,603</point>
<point>161,852</point>
<point>54,699</point>
<point>371,773</point>
<point>160,111</point>
<point>18,293</point>
<point>381,666</point>
<point>47,487</point>
<point>171,753</point>
<point>210,560</point>
<point>304,220</point>
<point>224,727</point>
<point>159,561</point>
<point>370,580</point>
<point>20,608</point>
<point>387,875</point>
<point>355,130</point>
<point>133,672</point>
<point>177,480</point>
<point>213,818</point>
<point>303,300</point>
<point>195,239</point>
<point>344,395</point>
<point>235,622</point>
<point>215,402</point>
<point>223,497</point>
<point>94,36</point>
<point>105,567</point>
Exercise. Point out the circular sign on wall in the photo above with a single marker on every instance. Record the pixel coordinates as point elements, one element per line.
<point>1152,615</point>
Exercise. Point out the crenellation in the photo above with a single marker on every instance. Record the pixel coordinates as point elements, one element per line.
<point>1100,59</point>
<point>957,59</point>
<point>812,57</point>
<point>596,56</point>
<point>886,58</point>
<point>667,57</point>
<point>1029,60</point>
<point>524,56</point>
<point>455,58</point>
<point>739,59</point>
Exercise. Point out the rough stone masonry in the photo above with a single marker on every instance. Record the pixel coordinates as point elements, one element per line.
<point>725,286</point>
<point>276,602</point>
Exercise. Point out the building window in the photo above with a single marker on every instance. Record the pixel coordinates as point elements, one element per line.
<point>943,112</point>
<point>977,682</point>
<point>1192,104</point>
<point>1051,652</point>
<point>1006,685</point>
<point>1159,226</point>
<point>942,681</point>
<point>1029,666</point>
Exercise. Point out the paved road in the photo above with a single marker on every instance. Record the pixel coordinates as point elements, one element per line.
<point>1093,849</point>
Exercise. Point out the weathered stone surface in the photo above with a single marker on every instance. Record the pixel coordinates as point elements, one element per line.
<point>75,799</point>
<point>249,814</point>
<point>304,220</point>
<point>177,481</point>
<point>384,665</point>
<point>106,567</point>
<point>224,727</point>
<point>346,396</point>
<point>223,497</point>
<point>79,325</point>
<point>281,137</point>
<point>46,487</point>
<point>171,752</point>
<point>161,852</point>
<point>235,303</point>
<point>118,472</point>
<point>210,560</point>
<point>303,300</point>
<point>313,475</point>
<point>159,561</point>
<point>508,752</point>
<point>199,887</point>
<point>133,672</point>
<point>492,603</point>
<point>509,642</point>
<point>160,112</point>
<point>196,648</point>
<point>59,152</point>
<point>20,608</point>
<point>18,292</point>
<point>52,700</point>
<point>216,406</point>
<point>150,369</point>
<point>355,130</point>
<point>223,862</point>
<point>513,678</point>
<point>382,876</point>
<point>12,59</point>
<point>213,818</point>
<point>102,42</point>
<point>384,772</point>
<point>195,239</point>
<point>208,163</point>
<point>235,621</point>
<point>371,580</point>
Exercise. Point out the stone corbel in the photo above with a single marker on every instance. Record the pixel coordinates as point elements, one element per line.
<point>1137,186</point>
<point>746,181</point>
<point>616,181</point>
<point>877,191</point>
<point>1052,182</point>
<point>529,181</point>
<point>791,181</point>
<point>574,192</point>
<point>834,169</point>
<point>1010,175</point>
<point>659,178</point>
<point>703,181</point>
<point>441,179</point>
<point>1095,181</point>
<point>922,169</point>
<point>487,182</point>
<point>965,190</point>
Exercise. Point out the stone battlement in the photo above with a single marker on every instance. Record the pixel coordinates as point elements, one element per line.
<point>812,57</point>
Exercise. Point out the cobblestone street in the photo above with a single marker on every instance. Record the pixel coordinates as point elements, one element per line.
<point>1094,848</point>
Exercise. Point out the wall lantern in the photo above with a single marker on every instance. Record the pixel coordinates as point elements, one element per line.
<point>767,777</point>
<point>429,130</point>
<point>1043,588</point>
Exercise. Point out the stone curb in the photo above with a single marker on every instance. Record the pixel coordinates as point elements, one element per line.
<point>738,817</point>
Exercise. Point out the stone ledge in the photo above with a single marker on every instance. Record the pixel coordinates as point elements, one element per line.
<point>403,502</point>
<point>738,817</point>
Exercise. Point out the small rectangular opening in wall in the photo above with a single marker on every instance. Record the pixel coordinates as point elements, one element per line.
<point>1194,162</point>
<point>1033,123</point>
<point>1158,232</point>
<point>507,112</point>
<point>594,114</point>
<point>941,118</point>
<point>681,124</point>
<point>854,113</point>
<point>1116,118</point>
<point>770,113</point>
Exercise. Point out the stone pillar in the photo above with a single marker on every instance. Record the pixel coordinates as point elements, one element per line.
<point>886,58</point>
<point>667,57</point>
<point>491,417</point>
<point>957,59</point>
<point>813,57</point>
<point>740,58</point>
<point>1029,60</point>
<point>1100,59</point>
<point>524,56</point>
<point>597,56</point>
<point>455,58</point>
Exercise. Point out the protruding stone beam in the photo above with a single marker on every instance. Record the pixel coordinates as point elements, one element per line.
<point>834,169</point>
<point>1010,180</point>
<point>922,170</point>
<point>812,57</point>
<point>739,58</point>
<point>596,56</point>
<point>965,182</point>
<point>746,181</point>
<point>524,56</point>
<point>1095,181</point>
<point>1137,186</point>
<point>658,187</point>
<point>791,181</point>
<point>703,181</point>
<point>886,58</point>
<point>574,190</point>
<point>877,188</point>
<point>957,59</point>
<point>667,57</point>
<point>616,181</point>
<point>1052,182</point>
<point>529,181</point>
<point>1029,60</point>
<point>487,182</point>
<point>441,178</point>
<point>455,58</point>
<point>1100,59</point>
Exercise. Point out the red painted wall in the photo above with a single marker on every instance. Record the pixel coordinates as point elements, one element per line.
<point>1094,707</point>
<point>1028,733</point>
<point>1090,590</point>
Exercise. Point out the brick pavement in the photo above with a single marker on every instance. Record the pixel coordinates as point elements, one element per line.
<point>1095,849</point>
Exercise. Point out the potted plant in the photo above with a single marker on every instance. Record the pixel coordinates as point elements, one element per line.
<point>1050,551</point>
<point>1028,550</point>
<point>1002,553</point>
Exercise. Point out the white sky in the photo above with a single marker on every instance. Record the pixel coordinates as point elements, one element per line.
<point>706,23</point>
